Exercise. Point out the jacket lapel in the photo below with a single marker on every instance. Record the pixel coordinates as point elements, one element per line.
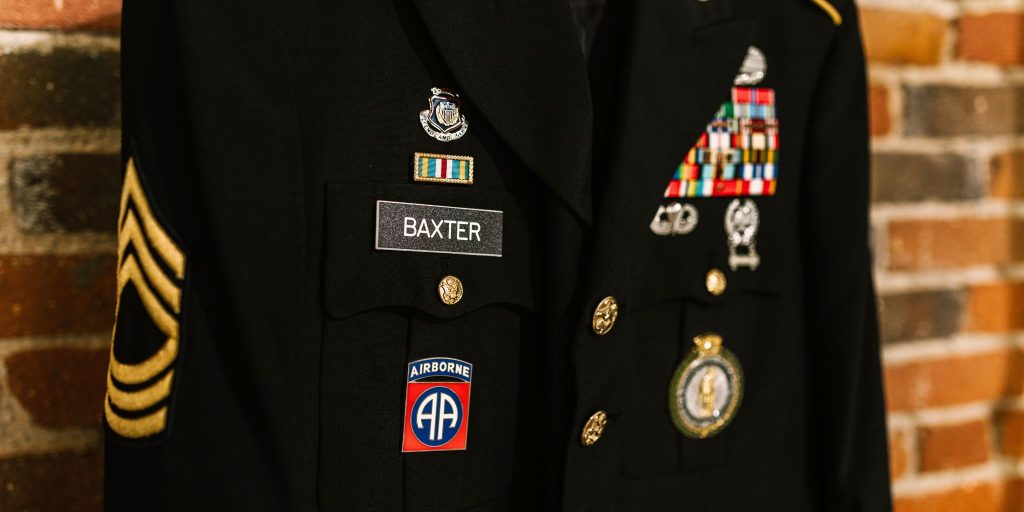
<point>520,64</point>
<point>677,65</point>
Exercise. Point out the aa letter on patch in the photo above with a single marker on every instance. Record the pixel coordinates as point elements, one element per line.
<point>443,229</point>
<point>437,405</point>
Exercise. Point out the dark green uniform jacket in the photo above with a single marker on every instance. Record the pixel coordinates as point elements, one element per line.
<point>640,199</point>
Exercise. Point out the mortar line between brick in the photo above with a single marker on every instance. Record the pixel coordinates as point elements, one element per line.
<point>891,282</point>
<point>920,484</point>
<point>957,346</point>
<point>45,41</point>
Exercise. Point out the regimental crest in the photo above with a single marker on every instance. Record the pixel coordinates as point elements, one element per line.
<point>706,390</point>
<point>738,153</point>
<point>437,405</point>
<point>151,270</point>
<point>444,120</point>
<point>742,220</point>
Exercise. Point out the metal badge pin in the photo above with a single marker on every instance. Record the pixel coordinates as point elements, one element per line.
<point>706,389</point>
<point>753,69</point>
<point>742,220</point>
<point>675,219</point>
<point>443,120</point>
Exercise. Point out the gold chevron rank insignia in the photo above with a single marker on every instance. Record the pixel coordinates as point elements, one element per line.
<point>147,327</point>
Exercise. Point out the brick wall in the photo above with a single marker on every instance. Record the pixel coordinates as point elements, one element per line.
<point>59,178</point>
<point>947,106</point>
<point>947,101</point>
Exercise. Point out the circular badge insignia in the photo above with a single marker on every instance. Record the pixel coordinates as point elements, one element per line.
<point>706,389</point>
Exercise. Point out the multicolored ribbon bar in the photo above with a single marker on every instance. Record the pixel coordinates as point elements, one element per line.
<point>443,168</point>
<point>738,153</point>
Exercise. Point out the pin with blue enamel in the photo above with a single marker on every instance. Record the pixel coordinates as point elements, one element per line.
<point>706,389</point>
<point>753,69</point>
<point>443,120</point>
<point>437,405</point>
<point>742,220</point>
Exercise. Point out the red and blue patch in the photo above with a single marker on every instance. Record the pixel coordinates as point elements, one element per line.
<point>437,405</point>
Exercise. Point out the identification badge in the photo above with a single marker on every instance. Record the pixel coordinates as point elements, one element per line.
<point>437,405</point>
<point>706,389</point>
<point>442,229</point>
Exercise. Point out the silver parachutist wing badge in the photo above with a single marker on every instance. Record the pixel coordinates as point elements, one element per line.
<point>742,220</point>
<point>444,120</point>
<point>675,219</point>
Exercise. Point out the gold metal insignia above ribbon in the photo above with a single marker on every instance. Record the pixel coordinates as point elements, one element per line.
<point>151,263</point>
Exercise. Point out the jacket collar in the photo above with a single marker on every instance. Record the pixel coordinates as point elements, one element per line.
<point>520,64</point>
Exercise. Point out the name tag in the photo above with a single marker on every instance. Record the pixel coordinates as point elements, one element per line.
<point>445,229</point>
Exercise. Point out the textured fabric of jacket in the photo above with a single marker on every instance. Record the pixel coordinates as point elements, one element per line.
<point>261,343</point>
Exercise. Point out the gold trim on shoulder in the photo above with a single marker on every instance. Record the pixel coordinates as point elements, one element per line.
<point>830,10</point>
<point>153,250</point>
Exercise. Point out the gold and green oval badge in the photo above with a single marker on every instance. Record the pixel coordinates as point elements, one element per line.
<point>706,389</point>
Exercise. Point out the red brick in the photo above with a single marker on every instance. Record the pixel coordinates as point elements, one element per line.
<point>946,110</point>
<point>905,176</point>
<point>996,307</point>
<point>925,244</point>
<point>65,482</point>
<point>72,14</point>
<point>59,387</point>
<point>1012,439</point>
<point>1006,175</point>
<point>64,87</point>
<point>920,315</point>
<point>65,192</point>
<point>996,37</point>
<point>902,37</point>
<point>954,446</point>
<point>954,380</point>
<point>1001,496</point>
<point>879,112</point>
<point>898,454</point>
<point>54,294</point>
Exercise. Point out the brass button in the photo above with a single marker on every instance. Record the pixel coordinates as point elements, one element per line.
<point>594,428</point>
<point>715,282</point>
<point>604,315</point>
<point>450,290</point>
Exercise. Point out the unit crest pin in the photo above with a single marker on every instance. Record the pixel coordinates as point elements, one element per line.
<point>707,388</point>
<point>444,120</point>
<point>742,220</point>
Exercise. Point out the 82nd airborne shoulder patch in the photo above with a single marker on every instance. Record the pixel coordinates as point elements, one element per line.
<point>437,405</point>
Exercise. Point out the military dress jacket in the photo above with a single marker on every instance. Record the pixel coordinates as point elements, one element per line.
<point>424,255</point>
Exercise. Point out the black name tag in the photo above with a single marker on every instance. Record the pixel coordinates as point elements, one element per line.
<point>446,229</point>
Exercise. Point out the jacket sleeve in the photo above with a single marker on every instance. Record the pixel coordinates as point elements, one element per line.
<point>848,411</point>
<point>199,412</point>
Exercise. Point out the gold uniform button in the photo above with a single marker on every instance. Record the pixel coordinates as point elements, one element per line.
<point>450,290</point>
<point>715,282</point>
<point>604,315</point>
<point>594,428</point>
